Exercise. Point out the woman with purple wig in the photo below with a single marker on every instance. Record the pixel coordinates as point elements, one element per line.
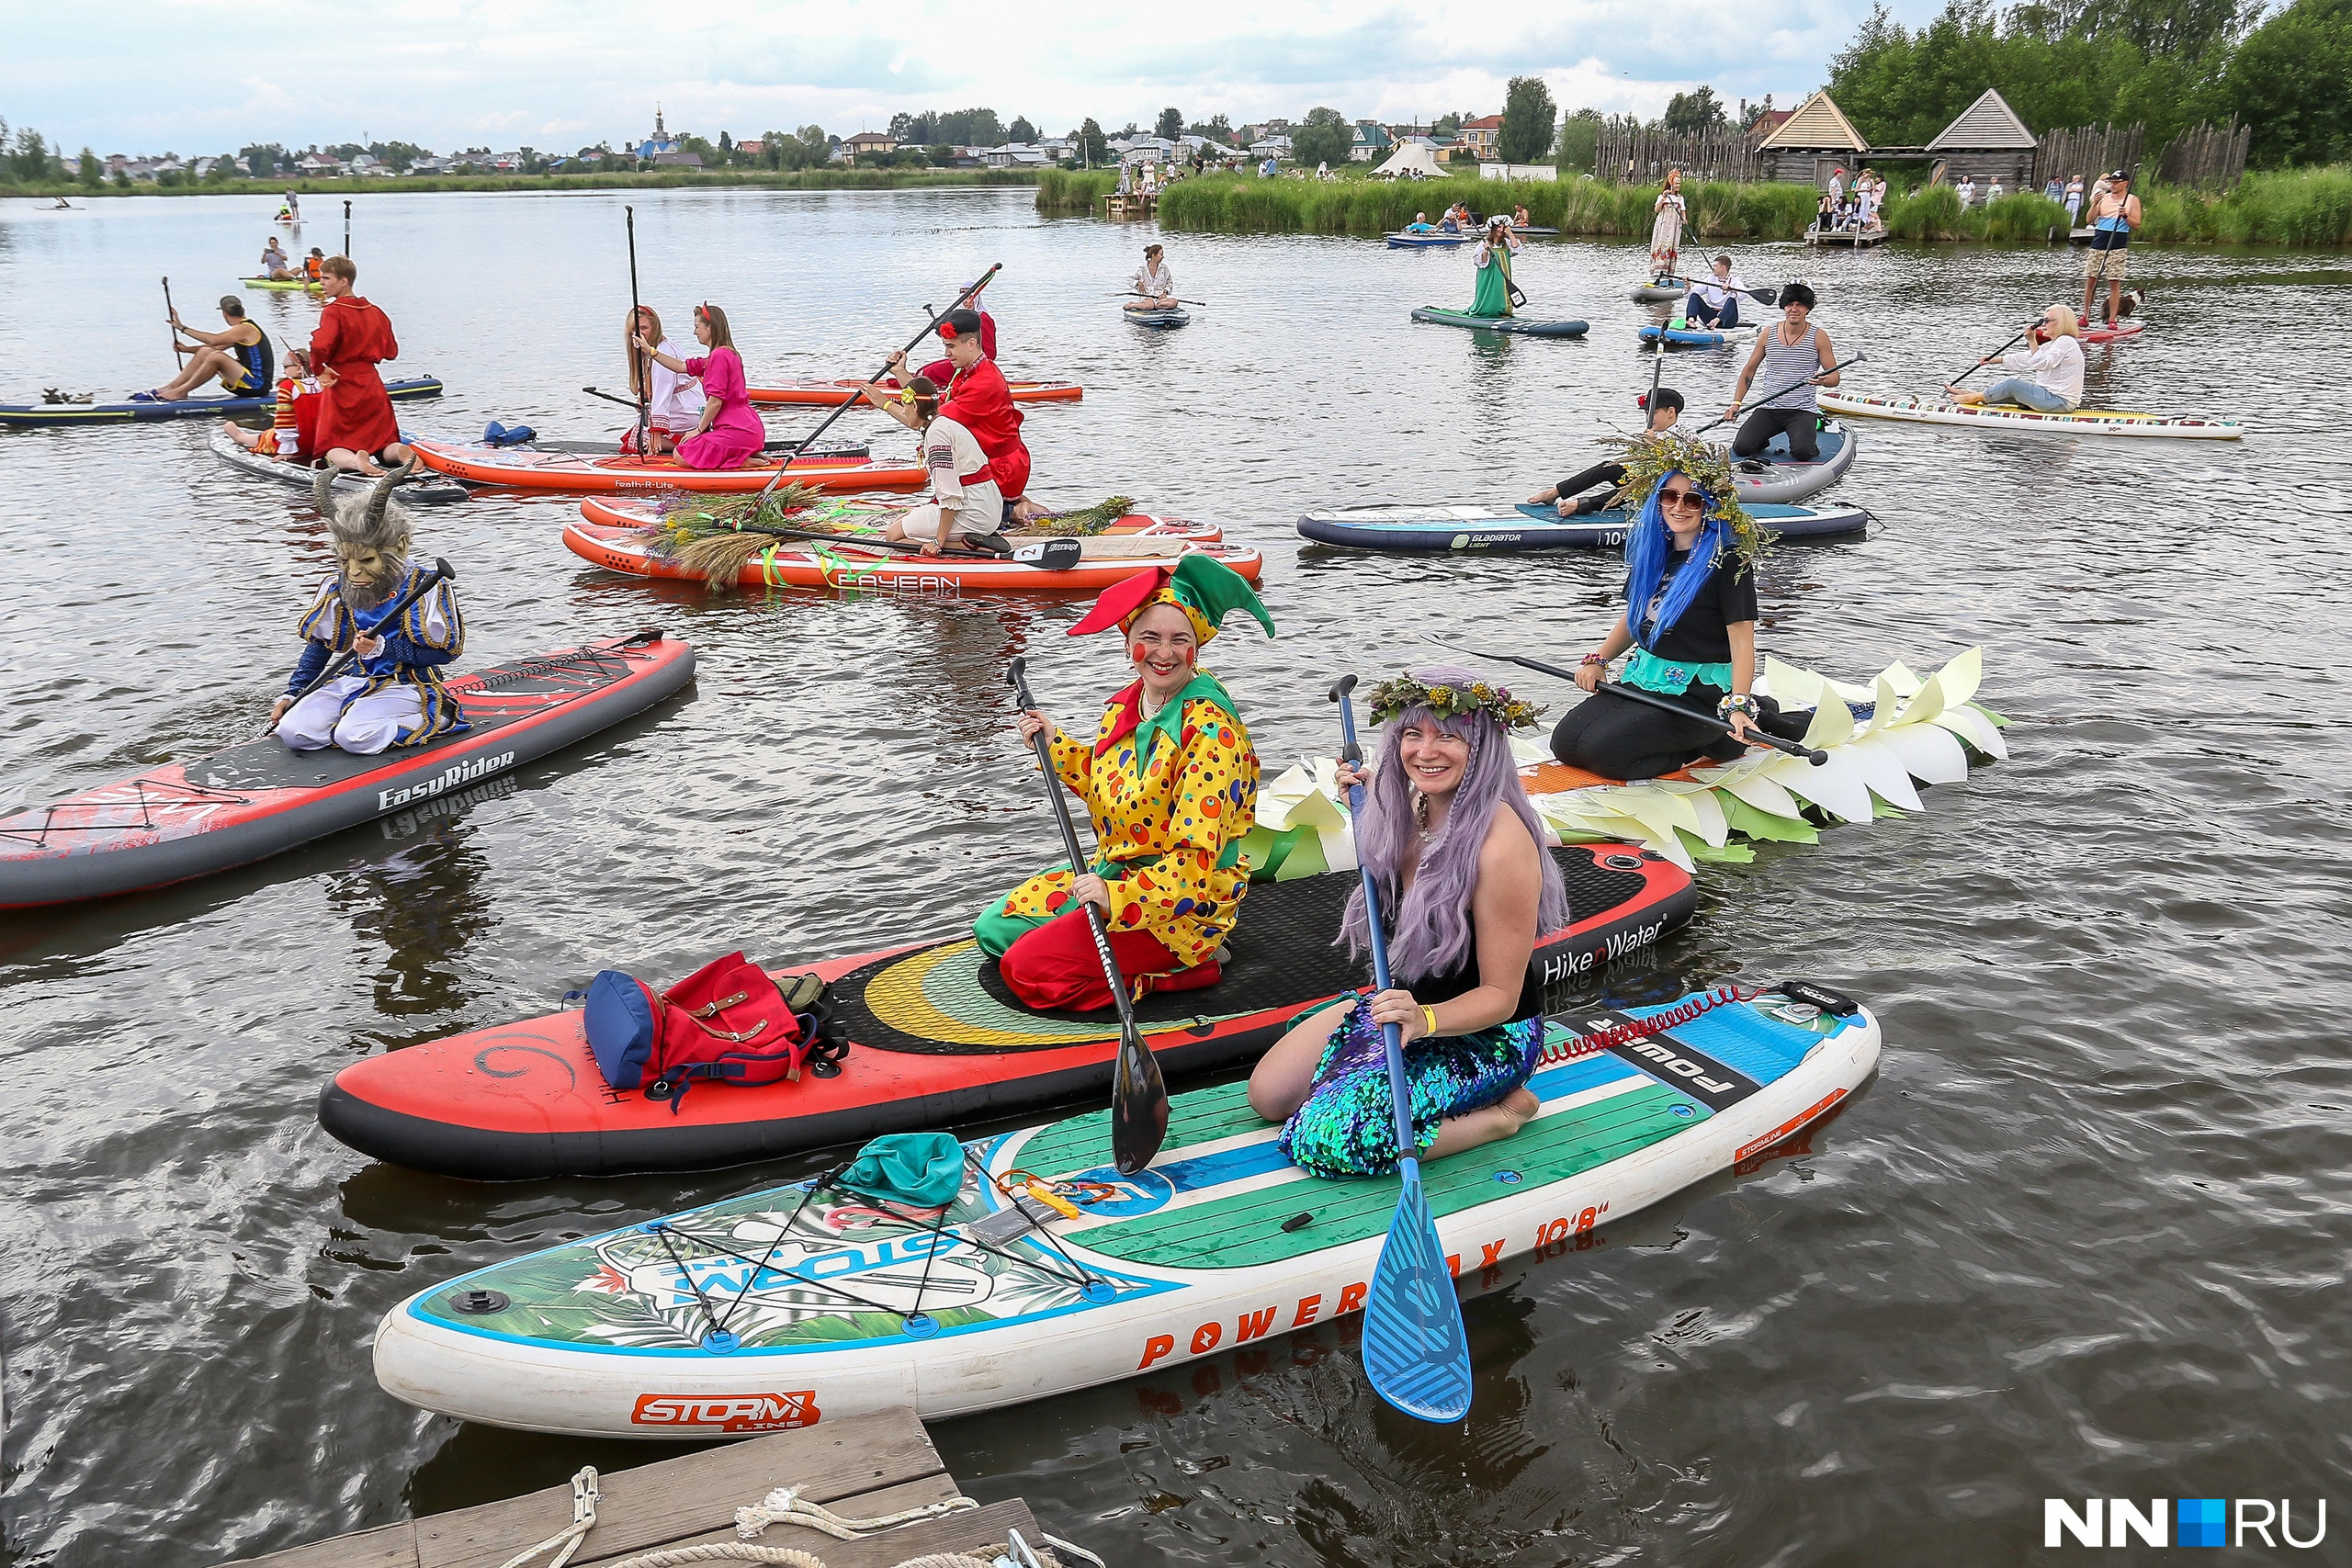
<point>1458,855</point>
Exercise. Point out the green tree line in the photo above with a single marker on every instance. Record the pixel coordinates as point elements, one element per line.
<point>2169,65</point>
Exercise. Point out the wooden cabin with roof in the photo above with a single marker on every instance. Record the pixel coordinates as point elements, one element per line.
<point>1812,144</point>
<point>1988,142</point>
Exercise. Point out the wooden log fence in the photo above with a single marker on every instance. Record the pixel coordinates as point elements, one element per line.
<point>2210,156</point>
<point>2090,151</point>
<point>1628,153</point>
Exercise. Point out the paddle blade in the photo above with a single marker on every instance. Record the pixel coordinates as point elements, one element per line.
<point>1139,1104</point>
<point>1415,1349</point>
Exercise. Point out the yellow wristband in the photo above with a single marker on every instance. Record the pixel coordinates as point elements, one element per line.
<point>1429,1020</point>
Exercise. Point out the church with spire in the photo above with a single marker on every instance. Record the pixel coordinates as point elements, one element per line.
<point>661,142</point>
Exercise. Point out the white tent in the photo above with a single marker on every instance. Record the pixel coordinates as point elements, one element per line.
<point>1410,158</point>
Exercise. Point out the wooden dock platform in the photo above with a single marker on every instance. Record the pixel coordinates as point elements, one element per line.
<point>1856,239</point>
<point>860,1467</point>
<point>1136,205</point>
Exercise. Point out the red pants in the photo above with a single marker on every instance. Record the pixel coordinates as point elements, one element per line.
<point>1056,966</point>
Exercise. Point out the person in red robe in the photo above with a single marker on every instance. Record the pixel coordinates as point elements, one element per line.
<point>356,427</point>
<point>978,399</point>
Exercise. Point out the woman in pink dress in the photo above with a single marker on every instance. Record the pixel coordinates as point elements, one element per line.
<point>731,433</point>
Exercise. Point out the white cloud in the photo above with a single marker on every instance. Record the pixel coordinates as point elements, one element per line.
<point>444,72</point>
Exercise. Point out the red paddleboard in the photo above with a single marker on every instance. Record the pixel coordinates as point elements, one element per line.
<point>525,468</point>
<point>934,1038</point>
<point>835,392</point>
<point>2122,332</point>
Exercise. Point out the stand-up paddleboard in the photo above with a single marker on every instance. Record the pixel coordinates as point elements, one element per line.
<point>524,468</point>
<point>1483,530</point>
<point>1650,293</point>
<point>832,392</point>
<point>790,1306</point>
<point>301,475</point>
<point>2081,422</point>
<point>1161,321</point>
<point>184,819</point>
<point>284,285</point>
<point>853,566</point>
<point>871,513</point>
<point>2122,332</point>
<point>1521,325</point>
<point>1403,241</point>
<point>1684,337</point>
<point>43,416</point>
<point>1776,478</point>
<point>934,1037</point>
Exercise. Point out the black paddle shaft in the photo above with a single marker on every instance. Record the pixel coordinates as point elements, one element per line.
<point>172,316</point>
<point>1756,736</point>
<point>844,406</point>
<point>1755,403</point>
<point>1138,1093</point>
<point>641,370</point>
<point>1980,363</point>
<point>442,572</point>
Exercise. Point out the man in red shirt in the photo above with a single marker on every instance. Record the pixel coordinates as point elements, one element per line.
<point>978,399</point>
<point>942,371</point>
<point>357,429</point>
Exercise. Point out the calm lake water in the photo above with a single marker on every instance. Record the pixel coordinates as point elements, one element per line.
<point>2084,1236</point>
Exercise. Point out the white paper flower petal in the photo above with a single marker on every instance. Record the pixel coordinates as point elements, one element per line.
<point>1833,725</point>
<point>1788,685</point>
<point>1837,787</point>
<point>1883,771</point>
<point>1929,752</point>
<point>1960,677</point>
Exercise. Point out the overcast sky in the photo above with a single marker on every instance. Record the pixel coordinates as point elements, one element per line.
<point>195,76</point>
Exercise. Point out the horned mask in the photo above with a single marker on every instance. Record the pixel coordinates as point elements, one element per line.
<point>371,537</point>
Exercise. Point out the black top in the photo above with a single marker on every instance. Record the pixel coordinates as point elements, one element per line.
<point>1465,978</point>
<point>1698,637</point>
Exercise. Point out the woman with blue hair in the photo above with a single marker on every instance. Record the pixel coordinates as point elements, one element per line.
<point>1457,850</point>
<point>1689,624</point>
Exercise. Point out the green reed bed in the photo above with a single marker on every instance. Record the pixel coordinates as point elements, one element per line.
<point>1067,190</point>
<point>1244,205</point>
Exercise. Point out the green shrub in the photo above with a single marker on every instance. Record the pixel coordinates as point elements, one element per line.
<point>1933,214</point>
<point>1061,190</point>
<point>2024,215</point>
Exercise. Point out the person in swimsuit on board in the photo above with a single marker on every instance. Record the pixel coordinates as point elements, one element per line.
<point>239,356</point>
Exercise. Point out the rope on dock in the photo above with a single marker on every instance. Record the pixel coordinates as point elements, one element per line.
<point>784,1506</point>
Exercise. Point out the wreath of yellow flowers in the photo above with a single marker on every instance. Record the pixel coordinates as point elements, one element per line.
<point>1402,693</point>
<point>1650,458</point>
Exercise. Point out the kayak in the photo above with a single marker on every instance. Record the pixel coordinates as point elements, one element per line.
<point>1880,742</point>
<point>1523,326</point>
<point>790,1306</point>
<point>1774,478</point>
<point>1650,293</point>
<point>1164,320</point>
<point>1402,242</point>
<point>186,819</point>
<point>284,285</point>
<point>518,467</point>
<point>2122,332</point>
<point>832,392</point>
<point>434,492</point>
<point>2082,421</point>
<point>1477,530</point>
<point>934,1036</point>
<point>40,416</point>
<point>854,567</point>
<point>1687,337</point>
<point>870,514</point>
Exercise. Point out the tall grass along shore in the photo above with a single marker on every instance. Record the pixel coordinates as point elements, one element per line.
<point>764,179</point>
<point>2296,207</point>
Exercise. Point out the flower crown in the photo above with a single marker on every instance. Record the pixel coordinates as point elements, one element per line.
<point>1650,456</point>
<point>1402,693</point>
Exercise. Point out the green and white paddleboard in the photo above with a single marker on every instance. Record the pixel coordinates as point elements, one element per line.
<point>779,1308</point>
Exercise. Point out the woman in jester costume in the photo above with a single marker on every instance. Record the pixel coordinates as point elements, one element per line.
<point>1170,781</point>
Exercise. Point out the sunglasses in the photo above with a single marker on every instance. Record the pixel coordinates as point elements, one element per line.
<point>1682,499</point>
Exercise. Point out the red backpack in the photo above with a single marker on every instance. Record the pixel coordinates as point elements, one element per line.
<point>728,1021</point>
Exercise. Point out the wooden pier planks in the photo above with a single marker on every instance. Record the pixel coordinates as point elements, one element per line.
<point>859,1467</point>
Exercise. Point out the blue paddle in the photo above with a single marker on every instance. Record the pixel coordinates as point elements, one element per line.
<point>1415,1349</point>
